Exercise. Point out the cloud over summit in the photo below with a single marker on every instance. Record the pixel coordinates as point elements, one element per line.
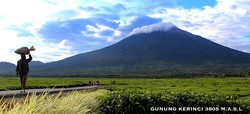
<point>154,27</point>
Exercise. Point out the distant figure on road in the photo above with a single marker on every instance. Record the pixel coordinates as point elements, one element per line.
<point>22,69</point>
<point>89,83</point>
<point>97,83</point>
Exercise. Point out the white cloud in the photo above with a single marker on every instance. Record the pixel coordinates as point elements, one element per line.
<point>98,30</point>
<point>117,33</point>
<point>92,28</point>
<point>36,13</point>
<point>110,39</point>
<point>9,42</point>
<point>154,27</point>
<point>226,23</point>
<point>65,44</point>
<point>45,51</point>
<point>28,11</point>
<point>48,51</point>
<point>127,21</point>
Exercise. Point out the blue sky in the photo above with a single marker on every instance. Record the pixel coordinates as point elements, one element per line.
<point>62,28</point>
<point>190,4</point>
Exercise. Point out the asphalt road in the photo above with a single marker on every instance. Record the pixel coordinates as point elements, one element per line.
<point>12,93</point>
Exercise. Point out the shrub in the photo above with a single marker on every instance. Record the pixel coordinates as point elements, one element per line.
<point>138,101</point>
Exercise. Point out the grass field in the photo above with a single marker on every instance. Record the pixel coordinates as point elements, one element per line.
<point>14,83</point>
<point>225,86</point>
<point>205,85</point>
<point>144,93</point>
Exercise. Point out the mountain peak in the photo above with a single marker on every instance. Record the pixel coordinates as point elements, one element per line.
<point>166,26</point>
<point>36,63</point>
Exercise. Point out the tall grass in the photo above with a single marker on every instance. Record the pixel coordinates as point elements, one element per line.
<point>72,103</point>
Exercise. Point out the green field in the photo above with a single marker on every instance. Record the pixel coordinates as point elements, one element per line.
<point>138,95</point>
<point>225,86</point>
<point>14,83</point>
<point>144,93</point>
<point>228,86</point>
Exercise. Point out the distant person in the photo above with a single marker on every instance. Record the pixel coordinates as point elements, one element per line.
<point>22,69</point>
<point>97,82</point>
<point>89,83</point>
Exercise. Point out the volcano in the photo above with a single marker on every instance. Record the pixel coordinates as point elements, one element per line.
<point>153,52</point>
<point>156,50</point>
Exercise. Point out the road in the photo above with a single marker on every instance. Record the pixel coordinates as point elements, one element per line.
<point>12,93</point>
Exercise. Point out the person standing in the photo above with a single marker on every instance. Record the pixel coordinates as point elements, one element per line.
<point>22,69</point>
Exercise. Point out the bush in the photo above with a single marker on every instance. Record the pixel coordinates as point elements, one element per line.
<point>134,101</point>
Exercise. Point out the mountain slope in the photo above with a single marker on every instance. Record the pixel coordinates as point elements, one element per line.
<point>155,52</point>
<point>7,68</point>
<point>36,63</point>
